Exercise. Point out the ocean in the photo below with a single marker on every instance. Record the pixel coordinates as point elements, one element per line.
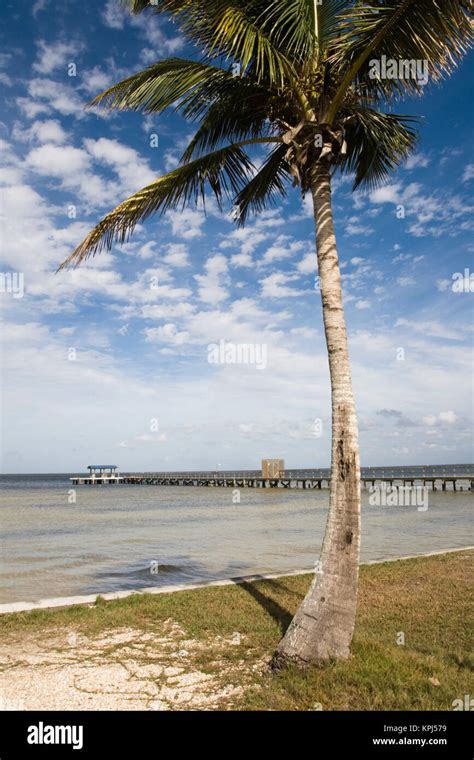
<point>133,536</point>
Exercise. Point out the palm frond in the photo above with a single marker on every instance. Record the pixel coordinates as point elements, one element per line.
<point>436,31</point>
<point>232,90</point>
<point>329,14</point>
<point>301,28</point>
<point>135,6</point>
<point>234,32</point>
<point>265,187</point>
<point>376,144</point>
<point>291,24</point>
<point>228,28</point>
<point>162,84</point>
<point>241,114</point>
<point>226,171</point>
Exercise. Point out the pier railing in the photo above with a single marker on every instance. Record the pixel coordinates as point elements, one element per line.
<point>366,472</point>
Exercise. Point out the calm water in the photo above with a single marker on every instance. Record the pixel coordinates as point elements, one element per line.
<point>109,539</point>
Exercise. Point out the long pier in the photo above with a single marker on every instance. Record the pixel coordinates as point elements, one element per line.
<point>453,480</point>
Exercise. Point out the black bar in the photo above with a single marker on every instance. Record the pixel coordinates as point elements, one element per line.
<point>136,734</point>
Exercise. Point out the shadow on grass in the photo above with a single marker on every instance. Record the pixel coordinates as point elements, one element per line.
<point>274,609</point>
<point>461,660</point>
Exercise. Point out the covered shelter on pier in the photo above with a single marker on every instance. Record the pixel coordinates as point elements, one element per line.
<point>103,470</point>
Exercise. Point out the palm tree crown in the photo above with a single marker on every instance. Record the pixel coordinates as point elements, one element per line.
<point>294,74</point>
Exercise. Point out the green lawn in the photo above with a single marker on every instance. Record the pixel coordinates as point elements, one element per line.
<point>428,600</point>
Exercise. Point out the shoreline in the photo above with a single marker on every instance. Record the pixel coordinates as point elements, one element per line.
<point>88,599</point>
<point>211,648</point>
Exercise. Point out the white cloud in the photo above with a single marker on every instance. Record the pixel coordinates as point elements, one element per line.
<point>308,264</point>
<point>12,171</point>
<point>96,80</point>
<point>241,260</point>
<point>417,161</point>
<point>27,225</point>
<point>246,238</point>
<point>212,286</point>
<point>29,333</point>
<point>177,255</point>
<point>149,28</point>
<point>307,211</point>
<point>149,438</point>
<point>186,223</point>
<point>76,168</point>
<point>55,55</point>
<point>433,214</point>
<point>431,328</point>
<point>49,131</point>
<point>147,250</point>
<point>31,108</point>
<point>274,286</point>
<point>358,229</point>
<point>132,170</point>
<point>168,310</point>
<point>113,15</point>
<point>167,333</point>
<point>38,6</point>
<point>468,173</point>
<point>304,332</point>
<point>387,194</point>
<point>449,417</point>
<point>66,331</point>
<point>432,419</point>
<point>284,247</point>
<point>149,287</point>
<point>46,95</point>
<point>171,158</point>
<point>58,161</point>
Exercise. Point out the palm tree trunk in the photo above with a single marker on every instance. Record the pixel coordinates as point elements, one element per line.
<point>324,623</point>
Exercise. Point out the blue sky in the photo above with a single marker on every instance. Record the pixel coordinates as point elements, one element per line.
<point>110,362</point>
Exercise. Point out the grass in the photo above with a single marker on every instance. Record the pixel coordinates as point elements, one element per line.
<point>428,602</point>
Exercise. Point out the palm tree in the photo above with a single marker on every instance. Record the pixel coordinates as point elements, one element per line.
<point>296,74</point>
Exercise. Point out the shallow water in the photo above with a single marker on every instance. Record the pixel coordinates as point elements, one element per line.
<point>126,537</point>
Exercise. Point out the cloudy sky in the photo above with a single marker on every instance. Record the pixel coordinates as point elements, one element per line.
<point>110,362</point>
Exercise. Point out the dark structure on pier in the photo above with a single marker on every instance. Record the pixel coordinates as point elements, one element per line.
<point>273,469</point>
